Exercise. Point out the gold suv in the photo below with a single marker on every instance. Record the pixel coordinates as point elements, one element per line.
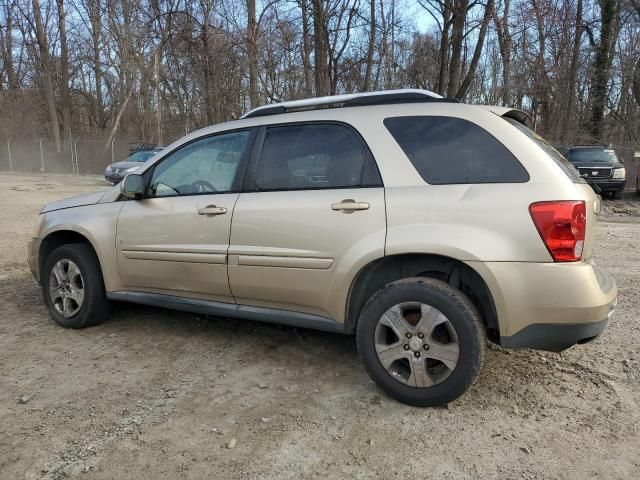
<point>420,224</point>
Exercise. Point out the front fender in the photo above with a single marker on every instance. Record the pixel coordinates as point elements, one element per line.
<point>96,223</point>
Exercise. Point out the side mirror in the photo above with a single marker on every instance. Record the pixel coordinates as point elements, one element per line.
<point>132,186</point>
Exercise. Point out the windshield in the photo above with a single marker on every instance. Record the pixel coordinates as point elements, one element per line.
<point>555,155</point>
<point>588,155</point>
<point>141,156</point>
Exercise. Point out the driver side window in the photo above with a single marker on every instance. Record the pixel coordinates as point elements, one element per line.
<point>208,165</point>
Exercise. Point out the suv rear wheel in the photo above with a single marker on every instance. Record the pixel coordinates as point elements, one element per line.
<point>73,288</point>
<point>421,341</point>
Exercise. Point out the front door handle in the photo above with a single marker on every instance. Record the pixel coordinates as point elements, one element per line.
<point>349,205</point>
<point>212,210</point>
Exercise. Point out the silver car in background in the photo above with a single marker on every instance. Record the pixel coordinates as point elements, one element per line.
<point>115,172</point>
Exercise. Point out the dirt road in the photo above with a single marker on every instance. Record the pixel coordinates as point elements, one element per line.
<point>159,394</point>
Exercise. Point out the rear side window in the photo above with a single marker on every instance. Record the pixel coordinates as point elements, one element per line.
<point>313,156</point>
<point>448,150</point>
<point>551,152</point>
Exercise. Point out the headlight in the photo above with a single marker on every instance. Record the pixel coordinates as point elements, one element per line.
<point>108,169</point>
<point>619,172</point>
<point>133,169</point>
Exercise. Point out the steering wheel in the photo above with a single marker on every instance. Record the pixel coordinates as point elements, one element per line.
<point>202,186</point>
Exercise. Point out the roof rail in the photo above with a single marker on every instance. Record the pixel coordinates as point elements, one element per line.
<point>385,97</point>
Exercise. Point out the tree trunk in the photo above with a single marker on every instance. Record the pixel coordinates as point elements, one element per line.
<point>45,73</point>
<point>93,8</point>
<point>573,73</point>
<point>602,65</point>
<point>457,39</point>
<point>541,88</point>
<point>464,88</point>
<point>64,73</point>
<point>636,71</point>
<point>504,42</point>
<point>12,84</point>
<point>156,71</point>
<point>252,53</point>
<point>116,122</point>
<point>443,52</point>
<point>306,48</point>
<point>320,35</point>
<point>366,84</point>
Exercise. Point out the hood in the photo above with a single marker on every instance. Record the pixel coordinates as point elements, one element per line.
<point>122,165</point>
<point>77,201</point>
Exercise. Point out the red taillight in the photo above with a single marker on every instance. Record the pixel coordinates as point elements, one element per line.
<point>562,226</point>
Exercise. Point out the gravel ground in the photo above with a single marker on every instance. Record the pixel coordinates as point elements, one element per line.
<point>160,394</point>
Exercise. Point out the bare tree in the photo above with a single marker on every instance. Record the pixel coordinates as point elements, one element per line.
<point>459,14</point>
<point>45,72</point>
<point>366,84</point>
<point>609,10</point>
<point>505,44</point>
<point>471,72</point>
<point>65,96</point>
<point>151,70</point>
<point>252,53</point>
<point>573,71</point>
<point>321,48</point>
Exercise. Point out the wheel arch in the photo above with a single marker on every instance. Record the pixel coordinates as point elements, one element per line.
<point>58,238</point>
<point>456,273</point>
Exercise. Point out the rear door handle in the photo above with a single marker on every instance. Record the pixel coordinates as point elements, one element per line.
<point>212,210</point>
<point>349,205</point>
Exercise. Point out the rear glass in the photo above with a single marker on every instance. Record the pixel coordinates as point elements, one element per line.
<point>588,155</point>
<point>448,150</point>
<point>546,147</point>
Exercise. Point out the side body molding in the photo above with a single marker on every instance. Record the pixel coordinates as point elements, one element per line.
<point>232,310</point>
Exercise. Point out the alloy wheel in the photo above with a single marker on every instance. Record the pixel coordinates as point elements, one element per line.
<point>417,344</point>
<point>66,288</point>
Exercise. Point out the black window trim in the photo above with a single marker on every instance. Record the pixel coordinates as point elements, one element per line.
<point>252,171</point>
<point>528,177</point>
<point>240,173</point>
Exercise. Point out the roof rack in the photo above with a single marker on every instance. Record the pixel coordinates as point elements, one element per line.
<point>385,97</point>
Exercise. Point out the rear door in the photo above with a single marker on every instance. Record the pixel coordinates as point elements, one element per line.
<point>175,240</point>
<point>314,212</point>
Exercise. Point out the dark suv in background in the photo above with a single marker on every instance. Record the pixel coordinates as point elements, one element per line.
<point>600,167</point>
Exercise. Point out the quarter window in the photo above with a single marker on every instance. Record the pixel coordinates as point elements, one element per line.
<point>312,156</point>
<point>208,165</point>
<point>448,150</point>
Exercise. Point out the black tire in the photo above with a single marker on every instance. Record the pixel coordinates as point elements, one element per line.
<point>95,306</point>
<point>617,195</point>
<point>463,317</point>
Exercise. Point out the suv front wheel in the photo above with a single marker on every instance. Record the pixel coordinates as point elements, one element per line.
<point>422,341</point>
<point>73,288</point>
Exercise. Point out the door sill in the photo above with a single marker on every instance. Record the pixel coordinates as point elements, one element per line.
<point>231,310</point>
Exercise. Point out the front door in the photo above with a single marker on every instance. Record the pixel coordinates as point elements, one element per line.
<point>315,215</point>
<point>175,240</point>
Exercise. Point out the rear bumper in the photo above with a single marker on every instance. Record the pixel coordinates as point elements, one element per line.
<point>549,306</point>
<point>554,338</point>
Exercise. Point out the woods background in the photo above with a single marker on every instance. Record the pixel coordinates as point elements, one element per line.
<point>83,78</point>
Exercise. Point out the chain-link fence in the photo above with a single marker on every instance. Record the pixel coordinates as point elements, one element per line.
<point>84,155</point>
